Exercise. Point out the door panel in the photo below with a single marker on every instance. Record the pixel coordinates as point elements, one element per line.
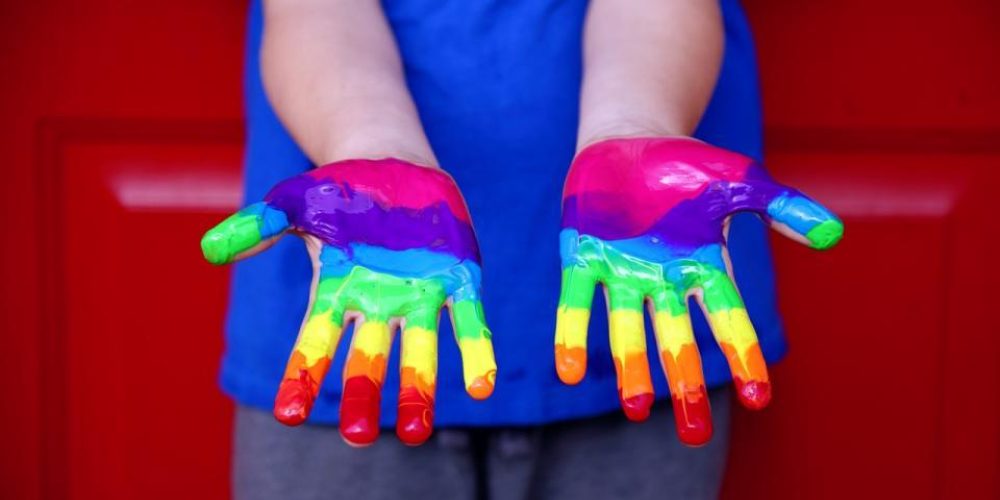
<point>877,387</point>
<point>131,406</point>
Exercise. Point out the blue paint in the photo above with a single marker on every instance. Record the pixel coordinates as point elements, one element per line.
<point>798,212</point>
<point>460,279</point>
<point>270,221</point>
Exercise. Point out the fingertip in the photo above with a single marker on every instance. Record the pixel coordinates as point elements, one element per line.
<point>359,411</point>
<point>571,364</point>
<point>358,432</point>
<point>826,234</point>
<point>414,425</point>
<point>754,394</point>
<point>696,433</point>
<point>214,248</point>
<point>481,387</point>
<point>693,417</point>
<point>637,407</point>
<point>415,418</point>
<point>293,402</point>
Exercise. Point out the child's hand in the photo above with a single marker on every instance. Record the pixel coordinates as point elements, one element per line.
<point>647,218</point>
<point>391,244</point>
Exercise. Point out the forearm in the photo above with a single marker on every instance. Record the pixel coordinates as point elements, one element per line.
<point>332,71</point>
<point>649,67</point>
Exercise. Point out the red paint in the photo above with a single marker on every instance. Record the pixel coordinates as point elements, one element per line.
<point>637,407</point>
<point>754,394</point>
<point>693,417</point>
<point>415,419</point>
<point>295,399</point>
<point>359,410</point>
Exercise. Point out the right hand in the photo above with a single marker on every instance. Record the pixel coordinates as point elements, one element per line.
<point>391,244</point>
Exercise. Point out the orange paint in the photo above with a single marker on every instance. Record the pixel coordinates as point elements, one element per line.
<point>692,413</point>
<point>571,363</point>
<point>360,364</point>
<point>635,388</point>
<point>482,386</point>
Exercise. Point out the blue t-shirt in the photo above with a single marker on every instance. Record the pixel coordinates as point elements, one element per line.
<point>497,87</point>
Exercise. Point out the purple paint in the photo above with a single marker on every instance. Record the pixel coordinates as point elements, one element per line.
<point>338,214</point>
<point>690,223</point>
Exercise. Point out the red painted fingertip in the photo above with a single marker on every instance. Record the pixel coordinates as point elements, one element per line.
<point>359,409</point>
<point>754,394</point>
<point>415,420</point>
<point>637,407</point>
<point>294,400</point>
<point>693,417</point>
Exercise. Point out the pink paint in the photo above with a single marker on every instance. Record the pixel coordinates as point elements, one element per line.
<point>395,183</point>
<point>666,172</point>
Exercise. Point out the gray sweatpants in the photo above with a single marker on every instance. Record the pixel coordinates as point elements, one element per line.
<point>606,457</point>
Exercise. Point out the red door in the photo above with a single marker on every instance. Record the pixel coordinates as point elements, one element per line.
<point>122,142</point>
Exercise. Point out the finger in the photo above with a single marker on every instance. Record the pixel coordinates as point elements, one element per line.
<point>479,367</point>
<point>682,366</point>
<point>418,372</point>
<point>800,217</point>
<point>628,347</point>
<point>363,377</point>
<point>727,316</point>
<point>572,318</point>
<point>791,213</point>
<point>311,355</point>
<point>244,233</point>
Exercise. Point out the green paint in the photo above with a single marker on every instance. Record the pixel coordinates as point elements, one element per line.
<point>381,296</point>
<point>577,290</point>
<point>629,280</point>
<point>719,292</point>
<point>238,233</point>
<point>470,323</point>
<point>826,234</point>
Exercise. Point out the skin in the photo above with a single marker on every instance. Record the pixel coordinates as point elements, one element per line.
<point>638,109</point>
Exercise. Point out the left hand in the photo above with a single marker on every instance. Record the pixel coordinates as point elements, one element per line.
<point>647,218</point>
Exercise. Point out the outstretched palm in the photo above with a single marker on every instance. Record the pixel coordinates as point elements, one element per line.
<point>391,243</point>
<point>647,219</point>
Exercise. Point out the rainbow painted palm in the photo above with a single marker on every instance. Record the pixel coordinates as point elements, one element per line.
<point>646,218</point>
<point>392,243</point>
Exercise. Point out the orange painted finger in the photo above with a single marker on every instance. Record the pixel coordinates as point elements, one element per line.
<point>311,355</point>
<point>628,347</point>
<point>735,334</point>
<point>572,319</point>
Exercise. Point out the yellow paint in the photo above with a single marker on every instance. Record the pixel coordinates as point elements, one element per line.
<point>319,337</point>
<point>477,360</point>
<point>672,332</point>
<point>627,333</point>
<point>571,327</point>
<point>733,327</point>
<point>419,351</point>
<point>372,338</point>
<point>628,346</point>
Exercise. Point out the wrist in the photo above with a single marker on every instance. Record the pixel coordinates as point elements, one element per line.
<point>372,139</point>
<point>628,127</point>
